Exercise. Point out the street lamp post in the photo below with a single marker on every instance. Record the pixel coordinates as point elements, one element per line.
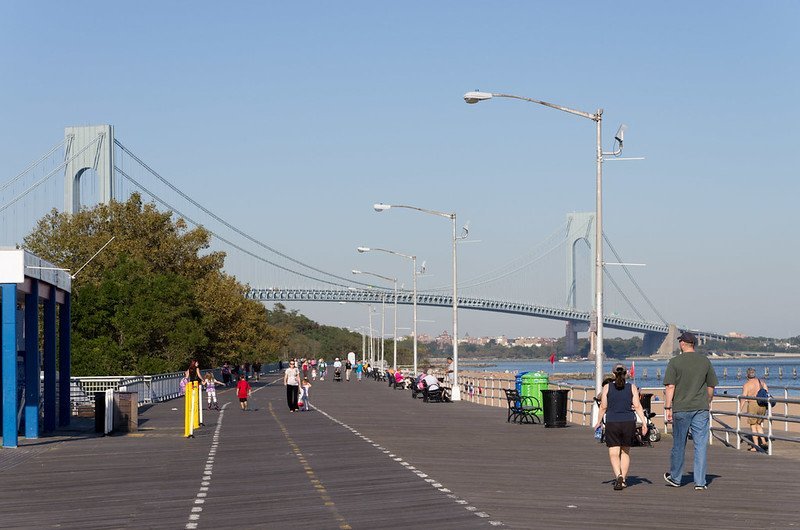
<point>414,295</point>
<point>455,392</point>
<point>597,117</point>
<point>383,319</point>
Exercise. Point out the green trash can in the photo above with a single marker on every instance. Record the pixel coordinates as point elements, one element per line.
<point>533,383</point>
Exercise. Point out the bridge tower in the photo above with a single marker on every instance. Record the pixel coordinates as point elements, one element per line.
<point>580,227</point>
<point>95,143</point>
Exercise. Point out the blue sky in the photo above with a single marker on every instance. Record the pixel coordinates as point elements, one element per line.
<point>291,119</point>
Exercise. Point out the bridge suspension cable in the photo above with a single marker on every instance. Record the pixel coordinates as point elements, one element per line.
<point>211,214</point>
<point>46,177</point>
<point>32,166</point>
<point>222,238</point>
<point>633,281</point>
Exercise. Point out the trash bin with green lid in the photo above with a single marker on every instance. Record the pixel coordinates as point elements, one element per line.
<point>532,385</point>
<point>554,405</point>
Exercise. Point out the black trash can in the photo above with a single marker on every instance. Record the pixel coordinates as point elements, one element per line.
<point>100,412</point>
<point>554,405</point>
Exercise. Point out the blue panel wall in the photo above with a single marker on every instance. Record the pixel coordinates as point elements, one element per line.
<point>49,364</point>
<point>32,367</point>
<point>9,363</point>
<point>64,346</point>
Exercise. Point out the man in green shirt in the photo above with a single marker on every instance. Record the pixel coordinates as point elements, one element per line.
<point>689,380</point>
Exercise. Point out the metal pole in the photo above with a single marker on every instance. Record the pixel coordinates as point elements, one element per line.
<point>371,337</point>
<point>363,346</point>
<point>598,265</point>
<point>395,325</point>
<point>383,330</point>
<point>414,264</point>
<point>455,392</point>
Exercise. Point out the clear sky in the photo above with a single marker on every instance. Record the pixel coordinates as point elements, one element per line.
<point>292,118</point>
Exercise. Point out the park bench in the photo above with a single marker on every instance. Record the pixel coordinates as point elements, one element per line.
<point>522,409</point>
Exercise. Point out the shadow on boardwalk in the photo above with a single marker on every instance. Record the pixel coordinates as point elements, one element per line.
<point>371,457</point>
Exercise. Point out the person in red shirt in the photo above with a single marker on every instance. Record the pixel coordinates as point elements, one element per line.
<point>243,392</point>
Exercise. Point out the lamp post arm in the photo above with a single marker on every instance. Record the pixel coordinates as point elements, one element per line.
<point>393,252</point>
<point>594,117</point>
<point>432,212</point>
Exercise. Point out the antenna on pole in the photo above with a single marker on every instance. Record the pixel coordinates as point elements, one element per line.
<point>90,259</point>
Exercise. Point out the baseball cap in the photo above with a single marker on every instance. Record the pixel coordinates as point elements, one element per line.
<point>687,337</point>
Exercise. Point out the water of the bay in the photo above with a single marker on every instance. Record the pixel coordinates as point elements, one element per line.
<point>730,372</point>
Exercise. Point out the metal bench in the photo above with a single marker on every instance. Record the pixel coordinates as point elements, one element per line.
<point>522,409</point>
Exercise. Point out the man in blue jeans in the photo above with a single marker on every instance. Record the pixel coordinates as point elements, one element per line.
<point>689,380</point>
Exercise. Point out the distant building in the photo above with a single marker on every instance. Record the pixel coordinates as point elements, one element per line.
<point>737,335</point>
<point>444,339</point>
<point>424,337</point>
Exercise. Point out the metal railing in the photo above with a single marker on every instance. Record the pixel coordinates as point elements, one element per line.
<point>780,413</point>
<point>484,390</point>
<point>151,388</point>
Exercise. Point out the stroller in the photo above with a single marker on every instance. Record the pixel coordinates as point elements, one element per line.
<point>337,374</point>
<point>653,434</point>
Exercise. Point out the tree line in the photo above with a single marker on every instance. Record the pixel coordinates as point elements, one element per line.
<point>158,297</point>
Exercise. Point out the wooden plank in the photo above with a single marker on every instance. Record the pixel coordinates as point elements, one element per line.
<point>277,469</point>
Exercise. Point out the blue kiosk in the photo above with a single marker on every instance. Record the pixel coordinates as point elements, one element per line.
<point>35,384</point>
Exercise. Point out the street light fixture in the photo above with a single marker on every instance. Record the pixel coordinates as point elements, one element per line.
<point>455,391</point>
<point>597,117</point>
<point>414,300</point>
<point>395,311</point>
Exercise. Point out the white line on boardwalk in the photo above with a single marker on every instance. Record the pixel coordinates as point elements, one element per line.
<point>404,462</point>
<point>202,493</point>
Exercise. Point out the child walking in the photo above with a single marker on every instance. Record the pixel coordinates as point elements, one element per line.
<point>243,392</point>
<point>211,391</point>
<point>306,388</point>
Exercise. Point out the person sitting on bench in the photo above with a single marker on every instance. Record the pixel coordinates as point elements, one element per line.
<point>431,381</point>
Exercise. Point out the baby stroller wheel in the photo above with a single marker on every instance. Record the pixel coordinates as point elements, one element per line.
<point>653,435</point>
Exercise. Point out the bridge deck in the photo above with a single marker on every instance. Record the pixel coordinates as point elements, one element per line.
<point>275,469</point>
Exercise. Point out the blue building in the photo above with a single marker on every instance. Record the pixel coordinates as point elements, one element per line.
<point>35,295</point>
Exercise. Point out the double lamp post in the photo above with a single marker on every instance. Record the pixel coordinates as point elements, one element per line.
<point>455,393</point>
<point>597,117</point>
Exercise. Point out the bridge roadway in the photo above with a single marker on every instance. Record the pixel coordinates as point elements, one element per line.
<point>376,296</point>
<point>371,457</point>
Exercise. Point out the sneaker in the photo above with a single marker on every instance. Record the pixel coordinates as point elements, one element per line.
<point>700,488</point>
<point>619,483</point>
<point>671,481</point>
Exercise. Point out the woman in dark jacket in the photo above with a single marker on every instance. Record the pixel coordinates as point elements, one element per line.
<point>617,402</point>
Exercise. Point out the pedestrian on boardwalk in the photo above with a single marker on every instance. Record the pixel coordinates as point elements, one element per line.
<point>348,367</point>
<point>618,400</point>
<point>211,383</point>
<point>306,391</point>
<point>689,381</point>
<point>751,406</point>
<point>323,369</point>
<point>359,370</point>
<point>451,371</point>
<point>243,391</point>
<point>226,374</point>
<point>305,368</point>
<point>257,371</point>
<point>291,378</point>
<point>193,372</point>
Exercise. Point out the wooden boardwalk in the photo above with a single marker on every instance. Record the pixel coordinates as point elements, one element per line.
<point>371,457</point>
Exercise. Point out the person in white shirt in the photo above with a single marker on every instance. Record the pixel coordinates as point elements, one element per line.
<point>431,381</point>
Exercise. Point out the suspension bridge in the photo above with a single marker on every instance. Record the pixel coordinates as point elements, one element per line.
<point>551,280</point>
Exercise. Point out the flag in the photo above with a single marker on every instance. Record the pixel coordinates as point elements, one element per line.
<point>633,369</point>
<point>552,358</point>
